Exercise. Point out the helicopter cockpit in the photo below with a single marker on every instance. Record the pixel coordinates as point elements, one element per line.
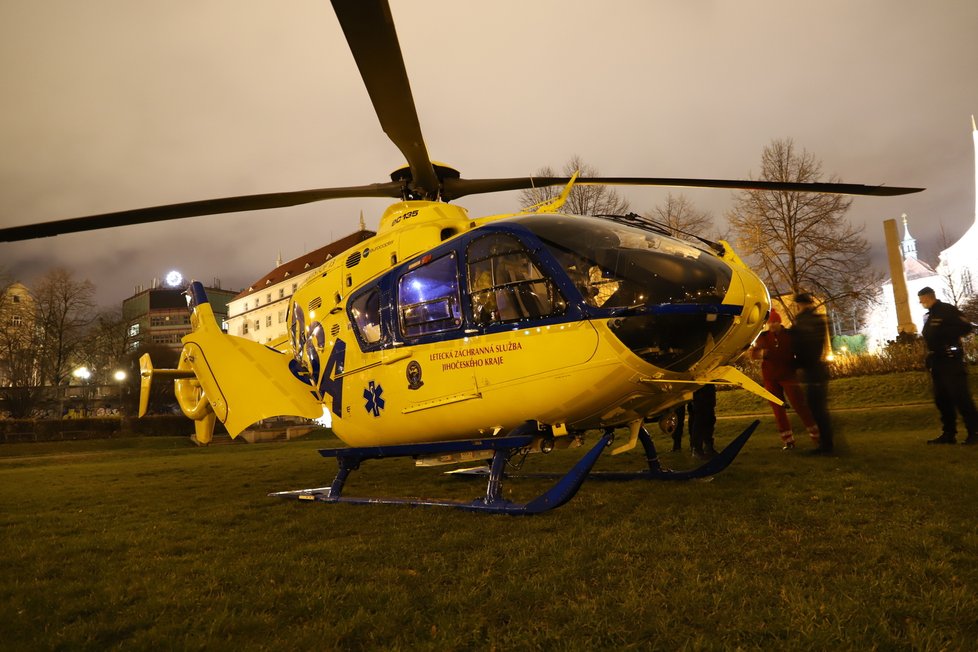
<point>666,294</point>
<point>663,296</point>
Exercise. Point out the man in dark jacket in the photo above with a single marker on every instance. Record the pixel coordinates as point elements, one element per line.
<point>944,326</point>
<point>808,335</point>
<point>702,422</point>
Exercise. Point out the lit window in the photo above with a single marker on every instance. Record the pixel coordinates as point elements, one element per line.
<point>428,298</point>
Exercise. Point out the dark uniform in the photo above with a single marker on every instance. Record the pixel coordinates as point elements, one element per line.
<point>808,335</point>
<point>703,420</point>
<point>944,325</point>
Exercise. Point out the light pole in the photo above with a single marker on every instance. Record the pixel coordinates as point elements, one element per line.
<point>83,374</point>
<point>120,377</point>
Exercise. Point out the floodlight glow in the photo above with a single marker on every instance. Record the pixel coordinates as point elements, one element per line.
<point>174,278</point>
<point>119,375</point>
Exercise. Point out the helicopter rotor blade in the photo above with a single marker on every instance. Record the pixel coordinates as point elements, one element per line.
<point>455,188</point>
<point>196,208</point>
<point>369,30</point>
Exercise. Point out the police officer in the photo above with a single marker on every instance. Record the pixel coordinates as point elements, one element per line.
<point>944,326</point>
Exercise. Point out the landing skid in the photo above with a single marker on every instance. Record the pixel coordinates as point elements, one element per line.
<point>655,470</point>
<point>658,472</point>
<point>518,440</point>
<point>349,459</point>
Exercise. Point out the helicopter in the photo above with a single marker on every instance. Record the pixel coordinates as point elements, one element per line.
<point>449,338</point>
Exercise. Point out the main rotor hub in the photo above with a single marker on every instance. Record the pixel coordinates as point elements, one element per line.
<point>404,176</point>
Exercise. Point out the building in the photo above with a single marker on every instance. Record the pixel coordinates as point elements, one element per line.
<point>954,280</point>
<point>160,316</point>
<point>882,319</point>
<point>258,313</point>
<point>958,264</point>
<point>17,336</point>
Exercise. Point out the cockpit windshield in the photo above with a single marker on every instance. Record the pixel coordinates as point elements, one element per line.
<point>617,266</point>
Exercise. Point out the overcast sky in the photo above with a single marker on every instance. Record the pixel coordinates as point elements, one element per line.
<point>113,104</point>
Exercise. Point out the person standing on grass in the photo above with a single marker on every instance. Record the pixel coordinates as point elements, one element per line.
<point>773,347</point>
<point>944,326</point>
<point>808,335</point>
<point>702,421</point>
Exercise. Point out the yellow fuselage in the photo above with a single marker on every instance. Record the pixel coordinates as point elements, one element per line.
<point>430,370</point>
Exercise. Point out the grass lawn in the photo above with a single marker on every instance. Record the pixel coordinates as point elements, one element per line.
<point>155,544</point>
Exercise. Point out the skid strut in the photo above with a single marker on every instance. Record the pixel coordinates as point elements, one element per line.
<point>349,459</point>
<point>656,471</point>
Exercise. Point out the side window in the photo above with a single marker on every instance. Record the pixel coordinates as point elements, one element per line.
<point>428,298</point>
<point>506,285</point>
<point>365,310</point>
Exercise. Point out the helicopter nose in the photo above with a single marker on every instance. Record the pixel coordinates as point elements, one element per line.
<point>678,337</point>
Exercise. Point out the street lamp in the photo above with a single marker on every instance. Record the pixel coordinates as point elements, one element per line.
<point>120,377</point>
<point>83,374</point>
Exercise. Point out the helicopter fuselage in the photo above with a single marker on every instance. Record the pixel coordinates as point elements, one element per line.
<point>443,327</point>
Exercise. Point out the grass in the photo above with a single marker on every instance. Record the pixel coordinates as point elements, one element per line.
<point>903,388</point>
<point>154,544</point>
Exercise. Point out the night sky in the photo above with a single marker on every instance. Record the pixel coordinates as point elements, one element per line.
<point>113,104</point>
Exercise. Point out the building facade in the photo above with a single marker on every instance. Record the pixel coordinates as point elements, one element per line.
<point>259,312</point>
<point>17,336</point>
<point>159,316</point>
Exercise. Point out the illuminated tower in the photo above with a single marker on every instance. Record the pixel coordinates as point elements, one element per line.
<point>959,265</point>
<point>909,245</point>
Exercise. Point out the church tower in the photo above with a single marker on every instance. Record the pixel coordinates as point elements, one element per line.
<point>909,245</point>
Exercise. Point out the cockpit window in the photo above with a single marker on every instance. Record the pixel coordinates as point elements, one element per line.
<point>616,265</point>
<point>428,298</point>
<point>506,285</point>
<point>365,310</point>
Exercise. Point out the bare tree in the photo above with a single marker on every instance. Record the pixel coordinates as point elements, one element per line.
<point>64,309</point>
<point>681,218</point>
<point>108,346</point>
<point>583,200</point>
<point>955,284</point>
<point>970,309</point>
<point>801,241</point>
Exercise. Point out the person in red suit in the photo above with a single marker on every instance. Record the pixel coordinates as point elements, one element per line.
<point>773,347</point>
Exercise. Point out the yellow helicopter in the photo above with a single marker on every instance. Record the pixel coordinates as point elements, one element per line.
<point>449,338</point>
